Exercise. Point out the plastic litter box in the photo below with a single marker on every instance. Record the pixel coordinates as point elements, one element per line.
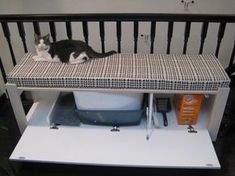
<point>115,109</point>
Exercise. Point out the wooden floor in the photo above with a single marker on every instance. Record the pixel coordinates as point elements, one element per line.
<point>225,149</point>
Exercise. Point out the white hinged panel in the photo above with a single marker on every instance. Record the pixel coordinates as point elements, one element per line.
<point>92,145</point>
<point>165,148</point>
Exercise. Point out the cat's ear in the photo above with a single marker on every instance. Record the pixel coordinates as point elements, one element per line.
<point>47,37</point>
<point>36,36</point>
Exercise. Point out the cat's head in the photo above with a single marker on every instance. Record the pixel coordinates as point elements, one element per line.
<point>42,43</point>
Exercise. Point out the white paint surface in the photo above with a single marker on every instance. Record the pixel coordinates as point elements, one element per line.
<point>165,148</point>
<point>125,148</point>
<point>171,147</point>
<point>114,6</point>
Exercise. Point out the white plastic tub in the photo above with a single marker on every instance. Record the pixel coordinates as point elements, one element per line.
<point>108,101</point>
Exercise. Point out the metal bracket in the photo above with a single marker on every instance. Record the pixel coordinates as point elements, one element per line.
<point>115,129</point>
<point>54,126</point>
<point>191,129</point>
<point>186,3</point>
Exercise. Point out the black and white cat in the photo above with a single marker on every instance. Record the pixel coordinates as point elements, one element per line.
<point>66,51</point>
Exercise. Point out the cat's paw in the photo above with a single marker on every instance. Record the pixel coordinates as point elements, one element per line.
<point>38,58</point>
<point>35,58</point>
<point>78,61</point>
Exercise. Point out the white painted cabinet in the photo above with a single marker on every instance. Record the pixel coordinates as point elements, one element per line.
<point>167,147</point>
<point>174,146</point>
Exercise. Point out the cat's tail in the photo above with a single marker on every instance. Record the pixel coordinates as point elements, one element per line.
<point>93,54</point>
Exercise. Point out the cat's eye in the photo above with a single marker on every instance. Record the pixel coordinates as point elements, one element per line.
<point>36,41</point>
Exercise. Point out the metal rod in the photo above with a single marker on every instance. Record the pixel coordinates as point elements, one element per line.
<point>150,115</point>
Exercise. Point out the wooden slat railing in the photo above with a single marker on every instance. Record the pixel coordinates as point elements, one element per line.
<point>153,19</point>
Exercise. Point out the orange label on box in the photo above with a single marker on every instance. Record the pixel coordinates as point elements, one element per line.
<point>188,108</point>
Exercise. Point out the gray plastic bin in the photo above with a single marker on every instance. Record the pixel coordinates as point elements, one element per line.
<point>111,117</point>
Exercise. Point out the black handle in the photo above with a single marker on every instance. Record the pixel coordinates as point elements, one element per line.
<point>165,122</point>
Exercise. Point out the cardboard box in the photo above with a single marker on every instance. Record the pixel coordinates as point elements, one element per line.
<point>188,108</point>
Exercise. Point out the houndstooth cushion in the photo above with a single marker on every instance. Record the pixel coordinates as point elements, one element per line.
<point>125,71</point>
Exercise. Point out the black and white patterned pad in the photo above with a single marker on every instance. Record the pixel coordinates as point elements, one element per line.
<point>125,71</point>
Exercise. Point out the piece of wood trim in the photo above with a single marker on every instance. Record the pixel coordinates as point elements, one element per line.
<point>17,106</point>
<point>217,111</point>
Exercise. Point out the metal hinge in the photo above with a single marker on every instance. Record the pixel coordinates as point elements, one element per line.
<point>191,129</point>
<point>54,126</point>
<point>115,129</point>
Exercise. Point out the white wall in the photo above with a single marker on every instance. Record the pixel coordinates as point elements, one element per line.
<point>114,6</point>
<point>121,6</point>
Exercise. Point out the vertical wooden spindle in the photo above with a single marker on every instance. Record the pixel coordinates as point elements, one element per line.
<point>102,35</point>
<point>7,34</point>
<point>220,37</point>
<point>136,33</point>
<point>231,62</point>
<point>169,36</point>
<point>152,35</point>
<point>53,30</point>
<point>68,29</point>
<point>186,35</point>
<point>119,35</point>
<point>21,30</point>
<point>85,31</point>
<point>36,28</point>
<point>3,71</point>
<point>203,36</point>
